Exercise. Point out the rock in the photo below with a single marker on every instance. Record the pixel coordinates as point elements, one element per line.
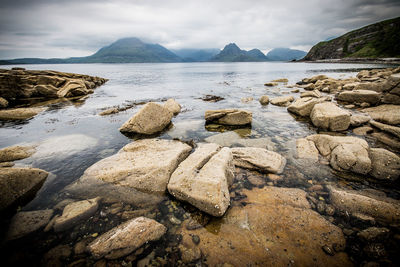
<point>350,86</point>
<point>26,222</point>
<point>203,179</point>
<point>374,234</point>
<point>387,139</point>
<point>309,87</point>
<point>258,159</point>
<point>224,139</point>
<point>145,165</point>
<point>385,164</point>
<point>76,212</point>
<point>246,99</point>
<point>173,106</point>
<point>264,100</point>
<point>270,84</point>
<point>358,120</point>
<point>282,100</point>
<point>56,256</point>
<point>228,116</point>
<point>74,87</point>
<point>109,111</point>
<point>306,149</point>
<point>150,119</point>
<point>383,209</point>
<point>365,105</point>
<point>16,153</point>
<point>281,80</point>
<point>364,130</point>
<point>389,114</point>
<point>20,113</point>
<point>314,93</point>
<point>6,164</point>
<point>126,238</point>
<point>384,127</point>
<point>17,185</point>
<point>274,228</point>
<point>3,103</point>
<point>329,116</point>
<point>316,78</point>
<point>303,106</point>
<point>350,106</point>
<point>391,99</point>
<point>264,142</point>
<point>189,254</point>
<point>359,96</point>
<point>345,153</point>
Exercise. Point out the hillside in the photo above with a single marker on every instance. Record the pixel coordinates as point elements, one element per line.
<point>232,53</point>
<point>285,54</point>
<point>196,55</point>
<point>379,40</point>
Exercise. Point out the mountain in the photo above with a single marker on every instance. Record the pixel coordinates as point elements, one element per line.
<point>126,50</point>
<point>379,40</point>
<point>232,53</point>
<point>196,55</point>
<point>285,54</point>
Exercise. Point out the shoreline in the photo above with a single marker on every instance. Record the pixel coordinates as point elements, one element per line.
<point>395,61</point>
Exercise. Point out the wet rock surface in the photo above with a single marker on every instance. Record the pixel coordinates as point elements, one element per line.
<point>26,222</point>
<point>16,153</point>
<point>229,117</point>
<point>330,117</point>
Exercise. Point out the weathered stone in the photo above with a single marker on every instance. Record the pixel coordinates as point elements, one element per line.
<point>364,130</point>
<point>374,234</point>
<point>16,153</point>
<point>76,212</point>
<point>172,106</point>
<point>385,164</point>
<point>260,159</point>
<point>26,222</point>
<point>246,99</point>
<point>6,164</point>
<point>359,96</point>
<point>314,93</point>
<point>18,185</point>
<point>345,153</point>
<point>281,80</point>
<point>228,116</point>
<point>329,116</point>
<point>46,90</point>
<point>271,84</point>
<point>282,100</point>
<point>109,111</point>
<point>389,114</point>
<point>306,149</point>
<point>203,179</point>
<point>3,103</point>
<point>303,106</point>
<point>74,87</point>
<point>350,86</point>
<point>264,100</point>
<point>386,128</point>
<point>382,209</point>
<point>145,165</point>
<point>150,119</point>
<point>309,87</point>
<point>391,99</point>
<point>126,238</point>
<point>20,113</point>
<point>357,120</point>
<point>389,140</point>
<point>288,232</point>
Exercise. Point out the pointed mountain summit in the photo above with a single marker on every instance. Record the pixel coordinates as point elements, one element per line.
<point>232,53</point>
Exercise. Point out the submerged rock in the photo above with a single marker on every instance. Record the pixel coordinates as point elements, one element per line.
<point>16,153</point>
<point>172,106</point>
<point>389,114</point>
<point>150,119</point>
<point>26,222</point>
<point>264,100</point>
<point>329,116</point>
<point>203,179</point>
<point>282,100</point>
<point>303,106</point>
<point>374,234</point>
<point>260,159</point>
<point>305,149</point>
<point>18,185</point>
<point>75,212</point>
<point>126,238</point>
<point>228,117</point>
<point>233,139</point>
<point>20,113</point>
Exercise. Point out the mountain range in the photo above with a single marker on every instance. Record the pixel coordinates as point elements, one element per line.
<point>133,50</point>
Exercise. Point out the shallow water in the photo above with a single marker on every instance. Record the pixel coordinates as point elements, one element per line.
<point>71,136</point>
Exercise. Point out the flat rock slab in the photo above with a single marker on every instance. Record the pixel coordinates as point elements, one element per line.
<point>358,120</point>
<point>274,228</point>
<point>233,139</point>
<point>259,159</point>
<point>26,222</point>
<point>75,212</point>
<point>203,179</point>
<point>359,96</point>
<point>126,238</point>
<point>385,164</point>
<point>282,100</point>
<point>389,114</point>
<point>18,185</point>
<point>387,128</point>
<point>150,119</point>
<point>228,117</point>
<point>20,113</point>
<point>306,149</point>
<point>16,153</point>
<point>330,117</point>
<point>303,106</point>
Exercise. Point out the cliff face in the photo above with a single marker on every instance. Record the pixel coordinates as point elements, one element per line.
<point>379,40</point>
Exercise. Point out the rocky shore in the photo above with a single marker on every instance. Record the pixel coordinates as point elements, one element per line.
<point>223,201</point>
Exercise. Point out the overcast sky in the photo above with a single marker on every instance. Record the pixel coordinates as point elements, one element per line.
<point>65,28</point>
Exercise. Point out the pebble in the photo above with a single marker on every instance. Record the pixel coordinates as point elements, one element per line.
<point>328,250</point>
<point>196,239</point>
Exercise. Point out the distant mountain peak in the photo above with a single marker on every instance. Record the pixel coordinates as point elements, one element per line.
<point>232,53</point>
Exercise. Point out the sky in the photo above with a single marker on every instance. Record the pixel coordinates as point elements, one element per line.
<point>66,28</point>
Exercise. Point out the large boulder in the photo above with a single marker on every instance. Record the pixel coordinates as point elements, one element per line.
<point>387,128</point>
<point>150,119</point>
<point>126,238</point>
<point>228,117</point>
<point>172,106</point>
<point>282,100</point>
<point>18,185</point>
<point>345,152</point>
<point>145,165</point>
<point>203,179</point>
<point>389,114</point>
<point>26,222</point>
<point>359,96</point>
<point>303,106</point>
<point>260,159</point>
<point>330,117</point>
<point>385,164</point>
<point>20,113</point>
<point>16,153</point>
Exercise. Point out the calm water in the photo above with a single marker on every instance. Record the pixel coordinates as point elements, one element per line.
<point>72,136</point>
